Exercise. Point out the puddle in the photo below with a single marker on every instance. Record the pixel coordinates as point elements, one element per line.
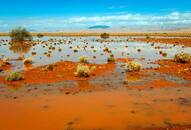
<point>62,49</point>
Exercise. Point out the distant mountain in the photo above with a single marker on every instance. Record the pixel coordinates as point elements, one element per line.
<point>99,27</point>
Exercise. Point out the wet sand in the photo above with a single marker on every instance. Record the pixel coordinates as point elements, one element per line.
<point>107,110</point>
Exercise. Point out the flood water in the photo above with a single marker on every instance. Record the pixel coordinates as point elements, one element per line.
<point>86,46</point>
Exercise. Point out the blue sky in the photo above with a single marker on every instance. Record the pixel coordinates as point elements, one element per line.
<point>59,15</point>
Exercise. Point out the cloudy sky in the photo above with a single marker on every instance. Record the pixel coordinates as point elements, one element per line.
<point>66,15</point>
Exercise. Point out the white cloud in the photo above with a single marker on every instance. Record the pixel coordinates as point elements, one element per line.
<point>115,20</point>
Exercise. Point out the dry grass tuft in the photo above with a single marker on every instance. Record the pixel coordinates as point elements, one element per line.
<point>182,58</point>
<point>134,66</point>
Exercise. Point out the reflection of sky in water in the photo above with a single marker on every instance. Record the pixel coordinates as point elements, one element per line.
<point>118,49</point>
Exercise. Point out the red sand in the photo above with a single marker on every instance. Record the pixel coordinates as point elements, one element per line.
<point>173,68</point>
<point>98,110</point>
<point>62,71</point>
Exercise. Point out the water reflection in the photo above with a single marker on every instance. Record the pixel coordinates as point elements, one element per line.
<point>133,77</point>
<point>20,48</point>
<point>83,85</point>
<point>41,53</point>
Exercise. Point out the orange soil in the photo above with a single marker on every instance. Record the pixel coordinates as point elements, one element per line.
<point>160,83</point>
<point>123,60</point>
<point>175,41</point>
<point>112,110</point>
<point>65,71</point>
<point>171,67</point>
<point>62,71</point>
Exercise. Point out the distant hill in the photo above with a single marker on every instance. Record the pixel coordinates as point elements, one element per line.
<point>99,27</point>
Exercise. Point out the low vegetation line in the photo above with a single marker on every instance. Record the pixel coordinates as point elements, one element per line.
<point>178,34</point>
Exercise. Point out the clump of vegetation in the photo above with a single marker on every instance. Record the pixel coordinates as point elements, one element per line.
<point>104,35</point>
<point>59,49</point>
<point>82,71</point>
<point>147,36</point>
<point>48,68</point>
<point>27,61</point>
<point>134,66</point>
<point>111,58</point>
<point>106,49</point>
<point>15,76</point>
<point>164,54</point>
<point>84,59</point>
<point>33,53</point>
<point>75,50</point>
<point>182,58</point>
<point>5,62</point>
<point>139,50</point>
<point>39,35</point>
<point>20,34</point>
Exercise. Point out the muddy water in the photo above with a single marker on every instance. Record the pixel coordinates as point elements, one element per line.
<point>115,100</point>
<point>88,46</point>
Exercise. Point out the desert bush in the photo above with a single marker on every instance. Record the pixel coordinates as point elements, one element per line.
<point>20,34</point>
<point>39,35</point>
<point>164,54</point>
<point>111,58</point>
<point>82,71</point>
<point>59,49</point>
<point>75,50</point>
<point>84,59</point>
<point>104,35</point>
<point>106,49</point>
<point>27,61</point>
<point>134,66</point>
<point>182,58</point>
<point>15,76</point>
<point>4,62</point>
<point>48,68</point>
<point>147,36</point>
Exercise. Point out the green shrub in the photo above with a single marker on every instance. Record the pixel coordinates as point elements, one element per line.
<point>182,58</point>
<point>134,66</point>
<point>15,76</point>
<point>20,34</point>
<point>84,59</point>
<point>104,35</point>
<point>82,71</point>
<point>106,49</point>
<point>39,35</point>
<point>111,58</point>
